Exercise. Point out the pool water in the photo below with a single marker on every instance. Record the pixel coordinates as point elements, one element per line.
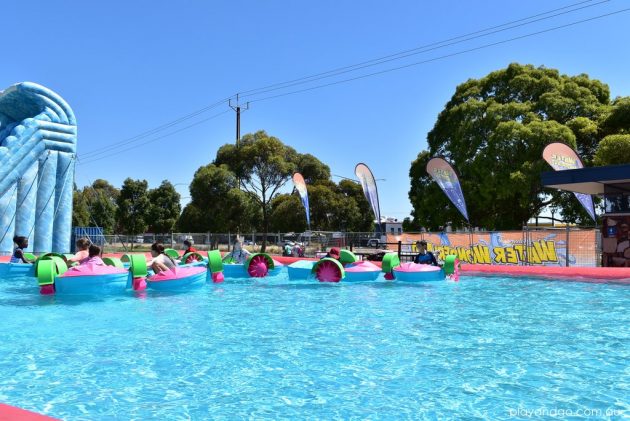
<point>277,349</point>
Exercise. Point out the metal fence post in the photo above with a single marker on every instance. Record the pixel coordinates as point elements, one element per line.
<point>399,248</point>
<point>567,246</point>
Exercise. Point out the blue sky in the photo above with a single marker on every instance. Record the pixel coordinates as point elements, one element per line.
<point>128,67</point>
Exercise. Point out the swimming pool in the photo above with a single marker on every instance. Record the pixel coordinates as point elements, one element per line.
<point>276,349</point>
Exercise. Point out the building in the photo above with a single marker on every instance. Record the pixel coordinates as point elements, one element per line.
<point>613,184</point>
<point>388,226</point>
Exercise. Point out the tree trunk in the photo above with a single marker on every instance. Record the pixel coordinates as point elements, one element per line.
<point>263,247</point>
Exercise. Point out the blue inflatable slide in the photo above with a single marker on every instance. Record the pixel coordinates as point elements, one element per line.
<point>38,135</point>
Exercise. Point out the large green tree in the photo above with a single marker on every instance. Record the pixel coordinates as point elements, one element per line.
<point>287,214</point>
<point>133,207</point>
<point>80,209</point>
<point>165,208</point>
<point>614,149</point>
<point>333,207</point>
<point>95,206</point>
<point>363,219</point>
<point>493,130</point>
<point>262,164</point>
<point>101,198</point>
<point>311,168</point>
<point>217,205</point>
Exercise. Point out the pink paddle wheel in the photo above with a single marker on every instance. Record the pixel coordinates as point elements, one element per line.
<point>258,267</point>
<point>328,272</point>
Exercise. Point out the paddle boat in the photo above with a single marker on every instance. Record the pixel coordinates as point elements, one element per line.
<point>182,276</point>
<point>19,270</point>
<point>92,279</point>
<point>257,265</point>
<point>413,272</point>
<point>54,277</point>
<point>130,272</point>
<point>348,267</point>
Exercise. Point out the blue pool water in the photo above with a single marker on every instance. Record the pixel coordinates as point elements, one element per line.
<point>276,349</point>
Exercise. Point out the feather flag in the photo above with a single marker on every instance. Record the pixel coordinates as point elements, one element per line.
<point>445,176</point>
<point>368,183</point>
<point>563,157</point>
<point>300,186</point>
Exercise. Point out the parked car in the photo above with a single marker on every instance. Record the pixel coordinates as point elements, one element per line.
<point>373,242</point>
<point>248,243</point>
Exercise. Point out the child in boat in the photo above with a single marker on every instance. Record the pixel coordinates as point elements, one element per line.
<point>334,253</point>
<point>94,256</point>
<point>238,254</point>
<point>161,261</point>
<point>190,249</point>
<point>18,252</point>
<point>424,257</point>
<point>83,245</point>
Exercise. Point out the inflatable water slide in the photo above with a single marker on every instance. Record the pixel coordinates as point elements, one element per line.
<point>38,135</point>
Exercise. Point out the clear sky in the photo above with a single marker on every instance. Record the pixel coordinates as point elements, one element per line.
<point>127,67</point>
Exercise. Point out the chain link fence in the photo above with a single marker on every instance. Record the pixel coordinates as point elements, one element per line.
<point>529,246</point>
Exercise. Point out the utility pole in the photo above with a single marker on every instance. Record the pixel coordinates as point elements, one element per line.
<point>237,108</point>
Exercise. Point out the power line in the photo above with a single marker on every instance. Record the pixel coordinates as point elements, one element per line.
<point>150,132</point>
<point>441,57</point>
<point>91,155</point>
<point>154,139</point>
<point>335,72</point>
<point>418,50</point>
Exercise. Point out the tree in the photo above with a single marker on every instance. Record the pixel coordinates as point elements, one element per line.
<point>165,208</point>
<point>263,165</point>
<point>101,199</point>
<point>311,168</point>
<point>80,210</point>
<point>133,207</point>
<point>217,204</point>
<point>363,219</point>
<point>287,214</point>
<point>613,150</point>
<point>323,202</point>
<point>410,225</point>
<point>494,130</point>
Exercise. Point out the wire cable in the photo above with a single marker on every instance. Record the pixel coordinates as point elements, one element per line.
<point>341,70</point>
<point>481,47</point>
<point>90,160</point>
<point>155,130</point>
<point>422,49</point>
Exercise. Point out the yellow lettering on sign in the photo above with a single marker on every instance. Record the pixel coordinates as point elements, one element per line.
<point>499,255</point>
<point>532,255</point>
<point>510,255</point>
<point>520,248</point>
<point>546,250</point>
<point>481,254</point>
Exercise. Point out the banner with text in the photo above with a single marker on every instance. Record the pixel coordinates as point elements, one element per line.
<point>562,157</point>
<point>541,247</point>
